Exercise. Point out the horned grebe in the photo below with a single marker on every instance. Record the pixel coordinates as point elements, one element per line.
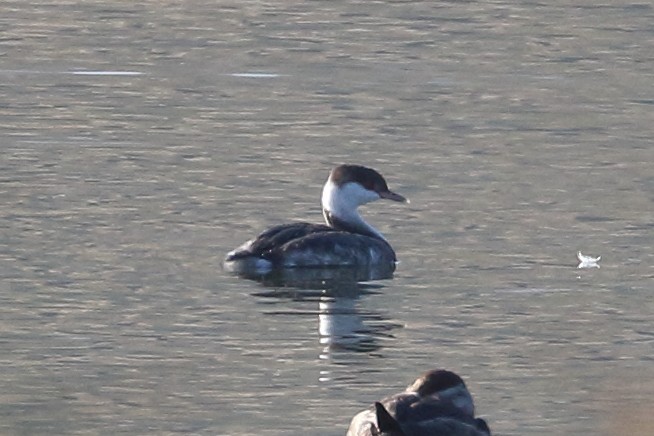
<point>346,240</point>
<point>436,404</point>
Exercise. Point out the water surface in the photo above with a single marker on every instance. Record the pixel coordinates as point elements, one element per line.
<point>141,142</point>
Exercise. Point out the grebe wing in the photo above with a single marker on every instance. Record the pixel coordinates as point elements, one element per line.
<point>276,237</point>
<point>432,408</point>
<point>333,248</point>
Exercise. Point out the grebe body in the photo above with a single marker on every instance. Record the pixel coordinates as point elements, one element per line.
<point>436,404</point>
<point>344,240</point>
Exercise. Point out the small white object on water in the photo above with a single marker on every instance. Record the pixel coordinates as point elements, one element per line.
<point>105,73</point>
<point>587,261</point>
<point>256,75</point>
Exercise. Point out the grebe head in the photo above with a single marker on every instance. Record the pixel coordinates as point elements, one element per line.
<point>447,386</point>
<point>350,186</point>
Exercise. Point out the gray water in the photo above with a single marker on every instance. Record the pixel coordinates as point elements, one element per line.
<point>141,142</point>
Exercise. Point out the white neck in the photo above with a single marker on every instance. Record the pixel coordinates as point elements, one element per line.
<point>342,202</point>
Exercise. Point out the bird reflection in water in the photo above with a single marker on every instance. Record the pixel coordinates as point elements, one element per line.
<point>341,324</point>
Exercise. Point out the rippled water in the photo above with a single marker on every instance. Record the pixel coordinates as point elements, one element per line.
<point>141,142</point>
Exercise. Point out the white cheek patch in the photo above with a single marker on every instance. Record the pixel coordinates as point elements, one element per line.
<point>345,199</point>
